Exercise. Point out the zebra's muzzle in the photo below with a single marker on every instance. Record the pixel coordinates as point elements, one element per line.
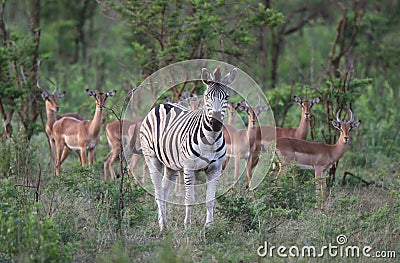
<point>216,121</point>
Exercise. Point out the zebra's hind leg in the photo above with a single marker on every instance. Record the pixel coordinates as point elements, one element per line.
<point>155,168</point>
<point>213,175</point>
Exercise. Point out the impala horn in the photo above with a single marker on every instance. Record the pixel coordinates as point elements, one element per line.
<point>44,89</point>
<point>351,116</point>
<point>338,115</point>
<point>56,87</point>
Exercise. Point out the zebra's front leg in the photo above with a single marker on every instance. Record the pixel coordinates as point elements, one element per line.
<point>188,177</point>
<point>213,175</point>
<point>155,167</point>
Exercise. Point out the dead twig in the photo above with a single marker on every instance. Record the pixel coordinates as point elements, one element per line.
<point>367,183</point>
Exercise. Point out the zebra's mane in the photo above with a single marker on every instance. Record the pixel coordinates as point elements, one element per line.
<point>187,110</point>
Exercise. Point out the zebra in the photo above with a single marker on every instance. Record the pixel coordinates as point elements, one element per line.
<point>183,140</point>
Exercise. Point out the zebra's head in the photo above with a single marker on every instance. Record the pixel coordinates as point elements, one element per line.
<point>216,95</point>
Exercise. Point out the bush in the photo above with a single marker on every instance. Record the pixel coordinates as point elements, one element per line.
<point>24,232</point>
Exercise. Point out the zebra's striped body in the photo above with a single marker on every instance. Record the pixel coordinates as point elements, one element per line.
<point>184,140</point>
<point>181,138</point>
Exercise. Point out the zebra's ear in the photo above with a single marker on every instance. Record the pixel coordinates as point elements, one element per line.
<point>206,76</point>
<point>230,77</point>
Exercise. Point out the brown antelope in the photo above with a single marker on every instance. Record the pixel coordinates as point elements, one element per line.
<point>268,133</point>
<point>113,139</point>
<point>242,143</point>
<point>317,155</point>
<point>232,106</point>
<point>72,134</point>
<point>51,102</point>
<point>192,100</point>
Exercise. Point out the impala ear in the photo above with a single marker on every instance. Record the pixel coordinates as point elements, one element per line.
<point>111,93</point>
<point>44,95</point>
<point>91,92</point>
<point>355,124</point>
<point>316,100</point>
<point>61,95</point>
<point>297,99</point>
<point>241,107</point>
<point>336,124</point>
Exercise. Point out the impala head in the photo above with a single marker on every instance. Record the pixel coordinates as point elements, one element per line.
<point>345,127</point>
<point>100,97</point>
<point>192,100</point>
<point>251,112</point>
<point>232,106</point>
<point>216,96</point>
<point>51,99</point>
<point>306,106</point>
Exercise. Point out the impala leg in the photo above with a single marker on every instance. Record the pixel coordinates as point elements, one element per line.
<point>188,177</point>
<point>91,155</point>
<point>320,187</point>
<point>226,162</point>
<point>83,156</point>
<point>155,167</point>
<point>106,165</point>
<point>237,166</point>
<point>213,175</point>
<point>52,152</point>
<point>133,162</point>
<point>113,157</point>
<point>249,167</point>
<point>109,164</point>
<point>59,153</point>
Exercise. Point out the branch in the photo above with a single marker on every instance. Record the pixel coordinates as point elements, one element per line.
<point>373,183</point>
<point>3,25</point>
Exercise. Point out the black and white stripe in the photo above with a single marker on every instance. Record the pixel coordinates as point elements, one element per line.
<point>184,140</point>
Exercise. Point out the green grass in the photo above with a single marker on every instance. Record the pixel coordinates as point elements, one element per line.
<point>82,219</point>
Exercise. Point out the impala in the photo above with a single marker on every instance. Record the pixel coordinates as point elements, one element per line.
<point>51,102</point>
<point>113,139</point>
<point>192,100</point>
<point>232,106</point>
<point>242,143</point>
<point>268,133</point>
<point>72,134</point>
<point>317,155</point>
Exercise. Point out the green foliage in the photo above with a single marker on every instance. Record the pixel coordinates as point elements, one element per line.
<point>238,208</point>
<point>117,254</point>
<point>24,233</point>
<point>265,16</point>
